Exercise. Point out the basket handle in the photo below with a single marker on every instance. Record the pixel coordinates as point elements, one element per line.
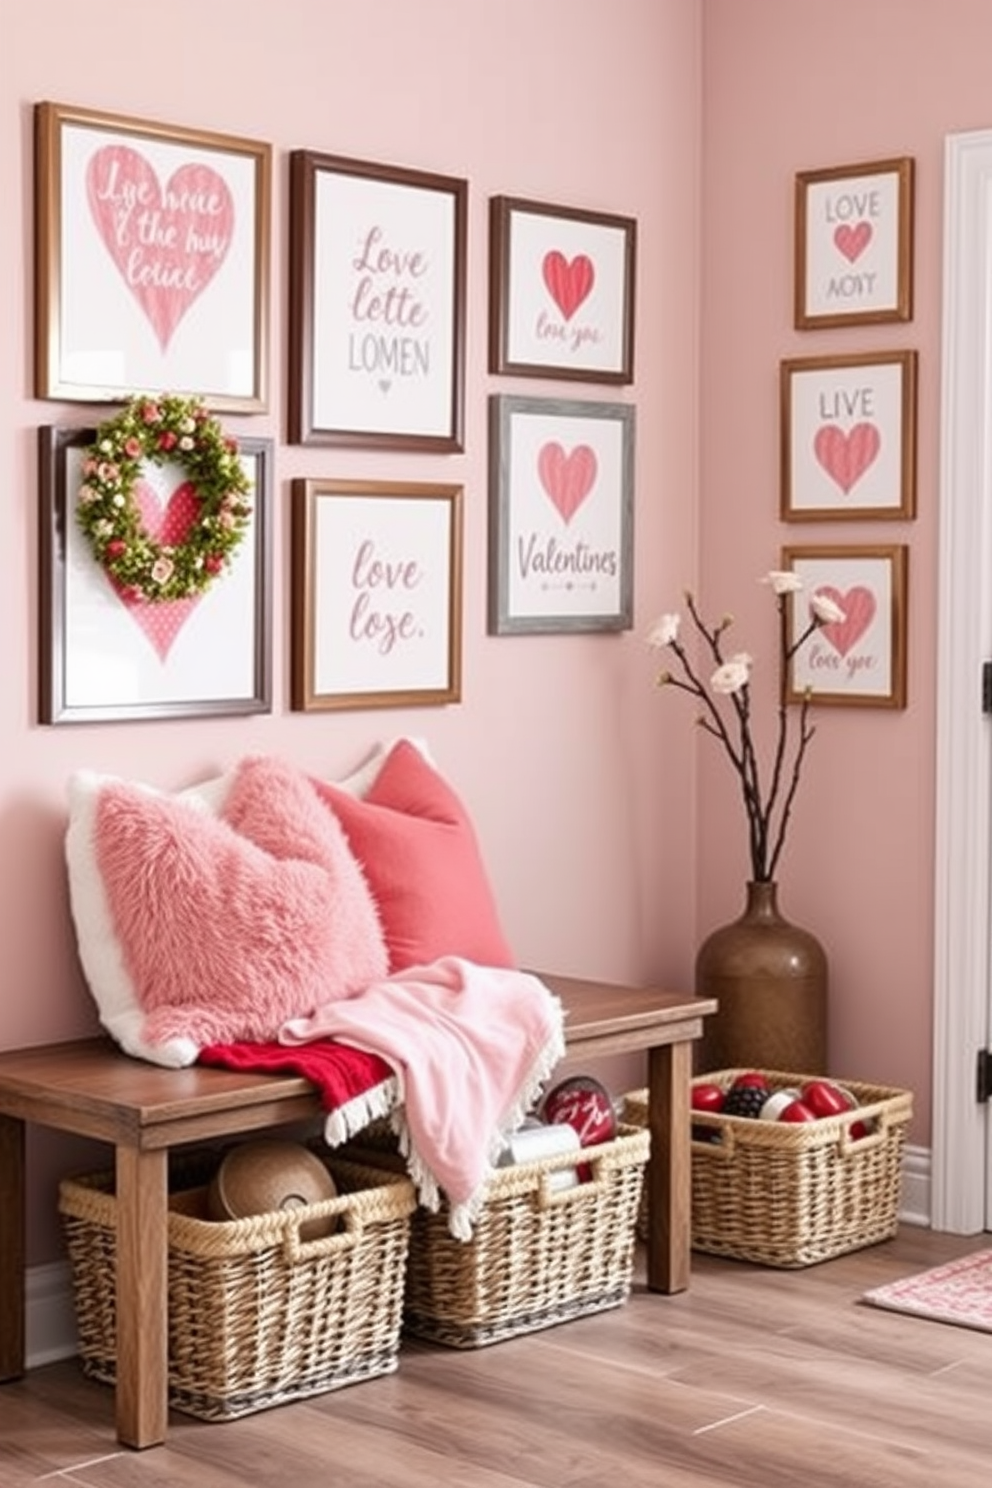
<point>880,1114</point>
<point>554,1198</point>
<point>723,1150</point>
<point>297,1250</point>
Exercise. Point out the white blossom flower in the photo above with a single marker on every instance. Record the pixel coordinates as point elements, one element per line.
<point>726,705</point>
<point>664,631</point>
<point>826,610</point>
<point>783,581</point>
<point>732,675</point>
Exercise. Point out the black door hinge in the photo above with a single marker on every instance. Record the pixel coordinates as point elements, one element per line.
<point>983,1076</point>
<point>987,686</point>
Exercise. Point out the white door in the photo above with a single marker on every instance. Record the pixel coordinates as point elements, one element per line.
<point>961,1190</point>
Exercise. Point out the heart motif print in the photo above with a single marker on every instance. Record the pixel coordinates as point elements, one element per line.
<point>567,479</point>
<point>169,525</point>
<point>852,241</point>
<point>846,457</point>
<point>569,282</point>
<point>167,241</point>
<point>859,606</point>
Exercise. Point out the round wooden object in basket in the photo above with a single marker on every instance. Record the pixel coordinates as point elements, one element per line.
<point>266,1176</point>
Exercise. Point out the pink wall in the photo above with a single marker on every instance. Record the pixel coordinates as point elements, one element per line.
<point>693,118</point>
<point>579,780</point>
<point>791,87</point>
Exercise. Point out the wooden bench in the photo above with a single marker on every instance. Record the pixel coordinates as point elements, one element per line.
<point>90,1088</point>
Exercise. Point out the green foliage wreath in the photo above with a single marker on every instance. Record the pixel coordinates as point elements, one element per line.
<point>163,429</point>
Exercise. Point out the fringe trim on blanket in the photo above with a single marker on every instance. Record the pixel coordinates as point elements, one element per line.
<point>351,1118</point>
<point>462,1217</point>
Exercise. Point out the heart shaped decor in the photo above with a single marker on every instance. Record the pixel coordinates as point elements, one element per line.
<point>846,457</point>
<point>568,282</point>
<point>167,242</point>
<point>859,606</point>
<point>852,241</point>
<point>567,479</point>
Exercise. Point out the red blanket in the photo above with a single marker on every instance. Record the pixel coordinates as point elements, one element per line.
<point>354,1086</point>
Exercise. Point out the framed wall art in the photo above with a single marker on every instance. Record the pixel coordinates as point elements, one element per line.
<point>561,515</point>
<point>848,437</point>
<point>860,660</point>
<point>105,654</point>
<point>377,594</point>
<point>561,292</point>
<point>152,260</point>
<point>377,305</point>
<point>854,244</point>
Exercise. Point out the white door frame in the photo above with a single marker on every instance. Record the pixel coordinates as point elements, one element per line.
<point>963,838</point>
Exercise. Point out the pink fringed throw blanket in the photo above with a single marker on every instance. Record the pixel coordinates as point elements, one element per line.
<point>469,1046</point>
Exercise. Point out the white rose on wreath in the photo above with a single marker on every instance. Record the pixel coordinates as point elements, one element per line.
<point>164,429</point>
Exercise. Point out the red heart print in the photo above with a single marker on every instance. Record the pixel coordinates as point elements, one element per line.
<point>859,607</point>
<point>852,241</point>
<point>846,457</point>
<point>169,525</point>
<point>167,241</point>
<point>567,479</point>
<point>568,283</point>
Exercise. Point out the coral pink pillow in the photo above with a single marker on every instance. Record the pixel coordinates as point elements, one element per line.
<point>421,858</point>
<point>208,919</point>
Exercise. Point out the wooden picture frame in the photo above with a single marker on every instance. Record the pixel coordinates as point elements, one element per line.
<point>561,291</point>
<point>854,244</point>
<point>848,437</point>
<point>103,659</point>
<point>152,260</point>
<point>377,305</point>
<point>376,594</point>
<point>561,515</point>
<point>861,660</point>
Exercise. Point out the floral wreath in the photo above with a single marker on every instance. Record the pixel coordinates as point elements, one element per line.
<point>162,429</point>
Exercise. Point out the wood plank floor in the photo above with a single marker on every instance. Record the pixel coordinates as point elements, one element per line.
<point>753,1379</point>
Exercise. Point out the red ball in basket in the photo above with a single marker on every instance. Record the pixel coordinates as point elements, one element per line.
<point>584,1103</point>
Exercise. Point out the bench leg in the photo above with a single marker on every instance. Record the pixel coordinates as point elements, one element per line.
<point>669,1170</point>
<point>142,1297</point>
<point>12,1248</point>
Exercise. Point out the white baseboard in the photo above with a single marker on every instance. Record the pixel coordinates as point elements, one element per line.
<point>915,1207</point>
<point>51,1321</point>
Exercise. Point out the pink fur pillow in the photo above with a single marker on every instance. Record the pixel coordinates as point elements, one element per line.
<point>205,918</point>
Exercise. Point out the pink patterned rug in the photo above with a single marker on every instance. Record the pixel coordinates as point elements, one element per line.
<point>958,1292</point>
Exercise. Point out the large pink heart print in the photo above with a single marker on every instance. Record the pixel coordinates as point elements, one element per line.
<point>852,241</point>
<point>568,479</point>
<point>859,607</point>
<point>846,457</point>
<point>569,283</point>
<point>168,525</point>
<point>167,241</point>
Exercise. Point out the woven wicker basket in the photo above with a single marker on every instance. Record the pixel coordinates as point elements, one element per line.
<point>256,1317</point>
<point>538,1255</point>
<point>793,1195</point>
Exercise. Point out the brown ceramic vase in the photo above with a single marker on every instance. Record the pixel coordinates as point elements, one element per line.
<point>770,979</point>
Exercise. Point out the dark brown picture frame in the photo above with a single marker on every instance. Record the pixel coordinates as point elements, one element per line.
<point>561,291</point>
<point>848,437</point>
<point>854,242</point>
<point>63,565</point>
<point>377,305</point>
